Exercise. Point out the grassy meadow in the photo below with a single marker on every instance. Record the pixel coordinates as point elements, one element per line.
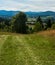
<point>30,49</point>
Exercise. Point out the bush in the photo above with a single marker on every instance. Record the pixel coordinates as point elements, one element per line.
<point>37,27</point>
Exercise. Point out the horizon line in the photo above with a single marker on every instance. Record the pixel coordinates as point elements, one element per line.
<point>28,11</point>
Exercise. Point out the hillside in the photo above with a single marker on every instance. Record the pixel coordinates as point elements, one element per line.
<point>4,13</point>
<point>31,49</point>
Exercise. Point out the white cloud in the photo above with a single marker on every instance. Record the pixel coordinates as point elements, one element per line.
<point>27,5</point>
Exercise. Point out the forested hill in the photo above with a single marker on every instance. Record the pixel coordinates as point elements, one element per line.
<point>4,13</point>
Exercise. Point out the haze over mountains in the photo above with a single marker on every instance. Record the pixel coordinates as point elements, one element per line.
<point>4,13</point>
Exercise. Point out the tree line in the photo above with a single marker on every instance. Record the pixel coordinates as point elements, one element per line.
<point>18,24</point>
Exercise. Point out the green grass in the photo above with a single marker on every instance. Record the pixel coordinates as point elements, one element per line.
<point>32,49</point>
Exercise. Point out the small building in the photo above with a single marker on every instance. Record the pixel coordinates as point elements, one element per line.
<point>30,24</point>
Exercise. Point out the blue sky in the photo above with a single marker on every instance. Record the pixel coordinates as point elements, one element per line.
<point>28,5</point>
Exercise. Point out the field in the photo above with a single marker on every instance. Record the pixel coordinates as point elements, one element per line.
<point>30,49</point>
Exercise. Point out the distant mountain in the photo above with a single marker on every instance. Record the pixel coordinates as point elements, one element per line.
<point>4,13</point>
<point>47,13</point>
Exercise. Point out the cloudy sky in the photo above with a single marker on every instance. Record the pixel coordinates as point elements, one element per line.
<point>28,5</point>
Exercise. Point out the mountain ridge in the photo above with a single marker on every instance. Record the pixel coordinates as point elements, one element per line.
<point>29,13</point>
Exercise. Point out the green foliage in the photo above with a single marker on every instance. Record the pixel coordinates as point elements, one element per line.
<point>30,30</point>
<point>40,21</point>
<point>49,24</point>
<point>7,22</point>
<point>2,25</point>
<point>19,23</point>
<point>37,27</point>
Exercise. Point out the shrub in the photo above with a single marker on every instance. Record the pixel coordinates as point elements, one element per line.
<point>37,27</point>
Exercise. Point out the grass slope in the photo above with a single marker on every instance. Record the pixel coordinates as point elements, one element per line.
<point>34,49</point>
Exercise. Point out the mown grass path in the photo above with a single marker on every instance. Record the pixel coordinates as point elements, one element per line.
<point>2,39</point>
<point>33,60</point>
<point>27,50</point>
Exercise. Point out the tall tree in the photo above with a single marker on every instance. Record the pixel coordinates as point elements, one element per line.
<point>49,24</point>
<point>19,23</point>
<point>40,21</point>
